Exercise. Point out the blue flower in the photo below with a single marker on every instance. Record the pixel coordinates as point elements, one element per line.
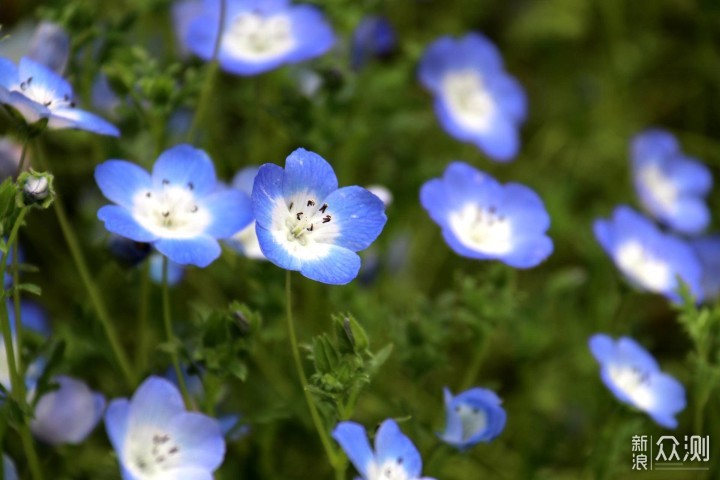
<point>480,218</point>
<point>395,455</point>
<point>707,250</point>
<point>50,46</point>
<point>9,470</point>
<point>650,259</point>
<point>305,223</point>
<point>180,208</point>
<point>473,416</point>
<point>259,35</point>
<point>475,99</point>
<point>374,36</point>
<point>155,437</point>
<point>672,187</point>
<point>37,92</point>
<point>246,241</point>
<point>634,377</point>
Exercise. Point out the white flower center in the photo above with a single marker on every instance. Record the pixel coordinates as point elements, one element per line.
<point>171,212</point>
<point>634,382</point>
<point>468,100</point>
<point>149,454</point>
<point>252,36</point>
<point>482,228</point>
<point>659,186</point>
<point>642,267</point>
<point>473,420</point>
<point>40,94</point>
<point>390,470</point>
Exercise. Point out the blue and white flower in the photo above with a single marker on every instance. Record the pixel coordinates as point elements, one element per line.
<point>634,377</point>
<point>156,438</point>
<point>246,241</point>
<point>395,457</point>
<point>707,249</point>
<point>472,416</point>
<point>37,93</point>
<point>650,259</point>
<point>305,223</point>
<point>475,99</point>
<point>181,209</point>
<point>672,186</point>
<point>9,470</point>
<point>483,219</point>
<point>259,35</point>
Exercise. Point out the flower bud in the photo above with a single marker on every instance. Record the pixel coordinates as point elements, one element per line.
<point>35,189</point>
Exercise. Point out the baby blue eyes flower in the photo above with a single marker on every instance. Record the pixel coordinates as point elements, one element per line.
<point>179,208</point>
<point>37,93</point>
<point>650,259</point>
<point>475,99</point>
<point>634,377</point>
<point>672,186</point>
<point>155,438</point>
<point>305,223</point>
<point>395,457</point>
<point>259,35</point>
<point>473,416</point>
<point>483,219</point>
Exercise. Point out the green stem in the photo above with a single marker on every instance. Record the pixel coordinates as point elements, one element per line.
<point>16,299</point>
<point>142,317</point>
<point>475,364</point>
<point>93,294</point>
<point>32,456</point>
<point>171,338</point>
<point>23,155</point>
<point>324,438</point>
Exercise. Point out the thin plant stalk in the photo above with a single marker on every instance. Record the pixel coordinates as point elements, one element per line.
<point>142,316</point>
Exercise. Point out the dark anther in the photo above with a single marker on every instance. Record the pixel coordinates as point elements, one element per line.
<point>323,208</point>
<point>165,181</point>
<point>501,218</point>
<point>191,186</point>
<point>400,460</point>
<point>492,209</point>
<point>148,194</point>
<point>72,104</point>
<point>457,409</point>
<point>173,450</point>
<point>327,218</point>
<point>194,209</point>
<point>311,203</point>
<point>291,205</point>
<point>310,228</point>
<point>66,97</point>
<point>23,85</point>
<point>299,215</point>
<point>48,103</point>
<point>475,411</point>
<point>29,80</point>
<point>160,459</point>
<point>156,438</point>
<point>166,214</point>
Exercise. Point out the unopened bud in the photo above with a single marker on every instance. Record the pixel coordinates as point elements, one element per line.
<point>35,189</point>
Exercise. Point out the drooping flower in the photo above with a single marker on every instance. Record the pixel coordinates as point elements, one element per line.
<point>9,470</point>
<point>37,93</point>
<point>476,101</point>
<point>672,186</point>
<point>634,377</point>
<point>259,35</point>
<point>180,208</point>
<point>481,218</point>
<point>305,223</point>
<point>246,241</point>
<point>395,457</point>
<point>156,438</point>
<point>707,249</point>
<point>650,259</point>
<point>374,36</point>
<point>472,416</point>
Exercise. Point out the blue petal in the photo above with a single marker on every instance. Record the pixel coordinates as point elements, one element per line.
<point>120,221</point>
<point>525,208</point>
<point>628,351</point>
<point>116,423</point>
<point>690,175</point>
<point>528,252</point>
<point>453,423</point>
<point>670,399</point>
<point>9,470</point>
<point>339,267</point>
<point>44,78</point>
<point>81,120</point>
<point>200,251</point>
<point>602,347</point>
<point>392,444</point>
<point>353,439</point>
<point>358,215</point>
<point>199,438</point>
<point>501,142</point>
<point>203,30</point>
<point>155,404</point>
<point>707,250</point>
<point>8,73</point>
<point>433,63</point>
<point>120,181</point>
<point>312,31</point>
<point>653,145</point>
<point>509,96</point>
<point>231,211</point>
<point>308,172</point>
<point>267,190</point>
<point>29,109</point>
<point>184,165</point>
<point>691,217</point>
<point>274,251</point>
<point>50,46</point>
<point>33,316</point>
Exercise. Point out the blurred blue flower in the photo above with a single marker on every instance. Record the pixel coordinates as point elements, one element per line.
<point>246,241</point>
<point>395,456</point>
<point>650,259</point>
<point>10,152</point>
<point>475,99</point>
<point>50,46</point>
<point>259,35</point>
<point>634,377</point>
<point>155,437</point>
<point>34,319</point>
<point>481,218</point>
<point>37,92</point>
<point>176,272</point>
<point>374,36</point>
<point>672,187</point>
<point>128,252</point>
<point>472,416</point>
<point>305,223</point>
<point>9,470</point>
<point>707,250</point>
<point>180,208</point>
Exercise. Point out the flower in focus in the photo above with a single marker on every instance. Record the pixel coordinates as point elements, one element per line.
<point>305,223</point>
<point>707,250</point>
<point>475,99</point>
<point>395,457</point>
<point>156,438</point>
<point>38,93</point>
<point>481,218</point>
<point>650,259</point>
<point>179,208</point>
<point>634,377</point>
<point>672,187</point>
<point>9,470</point>
<point>246,241</point>
<point>374,36</point>
<point>473,416</point>
<point>259,35</point>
